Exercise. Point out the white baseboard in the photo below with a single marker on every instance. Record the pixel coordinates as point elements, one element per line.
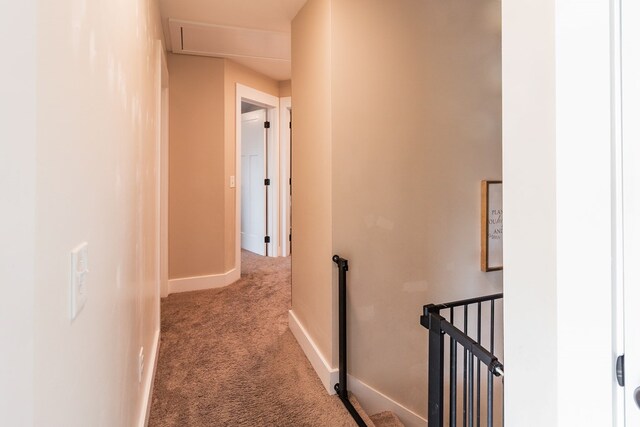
<point>198,283</point>
<point>150,375</point>
<point>327,374</point>
<point>372,400</point>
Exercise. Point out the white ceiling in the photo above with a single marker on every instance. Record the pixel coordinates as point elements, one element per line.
<point>255,33</point>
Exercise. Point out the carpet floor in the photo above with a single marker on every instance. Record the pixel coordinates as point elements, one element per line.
<point>227,357</point>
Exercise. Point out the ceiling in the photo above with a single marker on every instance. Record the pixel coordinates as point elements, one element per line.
<point>255,33</point>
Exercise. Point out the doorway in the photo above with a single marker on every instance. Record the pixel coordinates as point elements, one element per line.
<point>254,171</point>
<point>270,105</point>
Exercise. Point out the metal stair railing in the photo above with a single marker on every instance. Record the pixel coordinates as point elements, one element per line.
<point>341,386</point>
<point>475,355</point>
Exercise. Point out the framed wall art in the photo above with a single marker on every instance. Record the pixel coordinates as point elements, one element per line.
<point>491,217</point>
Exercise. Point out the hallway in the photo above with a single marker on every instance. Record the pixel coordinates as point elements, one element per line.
<point>119,147</point>
<point>227,357</point>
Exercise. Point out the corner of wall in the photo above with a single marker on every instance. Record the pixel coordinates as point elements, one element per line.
<point>327,375</point>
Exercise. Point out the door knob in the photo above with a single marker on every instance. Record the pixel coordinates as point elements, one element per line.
<point>636,396</point>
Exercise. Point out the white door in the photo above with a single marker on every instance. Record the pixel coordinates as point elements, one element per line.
<point>253,197</point>
<point>630,81</point>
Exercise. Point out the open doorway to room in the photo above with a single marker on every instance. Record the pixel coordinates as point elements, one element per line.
<point>260,215</point>
<point>254,189</point>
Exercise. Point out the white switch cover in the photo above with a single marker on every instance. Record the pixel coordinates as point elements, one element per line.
<point>232,181</point>
<point>79,273</point>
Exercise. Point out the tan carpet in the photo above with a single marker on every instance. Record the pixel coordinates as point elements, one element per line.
<point>386,419</point>
<point>227,358</point>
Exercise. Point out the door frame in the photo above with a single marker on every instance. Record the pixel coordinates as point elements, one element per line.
<point>250,120</point>
<point>629,152</point>
<point>162,162</point>
<point>285,158</point>
<point>272,105</point>
<point>617,208</point>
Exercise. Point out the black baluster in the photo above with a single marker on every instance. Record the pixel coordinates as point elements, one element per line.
<point>453,376</point>
<point>479,370</point>
<point>436,371</point>
<point>465,378</point>
<point>489,373</point>
<point>471,387</point>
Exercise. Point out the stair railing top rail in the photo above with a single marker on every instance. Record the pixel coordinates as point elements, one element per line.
<point>484,355</point>
<point>432,311</point>
<point>437,307</point>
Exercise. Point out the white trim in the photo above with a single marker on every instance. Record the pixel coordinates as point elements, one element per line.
<point>328,375</point>
<point>158,167</point>
<point>630,109</point>
<point>618,207</point>
<point>285,157</point>
<point>198,283</point>
<point>271,103</point>
<point>373,401</point>
<point>163,173</point>
<point>150,375</point>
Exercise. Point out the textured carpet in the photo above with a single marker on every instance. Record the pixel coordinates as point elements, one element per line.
<point>227,358</point>
<point>386,419</point>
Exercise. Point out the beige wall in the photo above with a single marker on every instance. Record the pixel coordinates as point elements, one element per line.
<point>285,88</point>
<point>414,126</point>
<point>196,166</point>
<point>202,140</point>
<point>18,172</point>
<point>560,105</point>
<point>96,182</point>
<point>530,252</point>
<point>312,271</point>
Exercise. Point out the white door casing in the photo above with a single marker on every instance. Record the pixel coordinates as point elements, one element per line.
<point>271,104</point>
<point>630,90</point>
<point>163,177</point>
<point>253,215</point>
<point>285,159</point>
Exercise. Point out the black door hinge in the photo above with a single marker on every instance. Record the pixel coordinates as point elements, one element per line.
<point>267,239</point>
<point>289,125</point>
<point>620,370</point>
<point>289,236</point>
<point>267,125</point>
<point>267,181</point>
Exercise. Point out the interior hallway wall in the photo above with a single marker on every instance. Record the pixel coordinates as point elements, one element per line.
<point>409,125</point>
<point>312,298</point>
<point>560,129</point>
<point>196,166</point>
<point>96,182</point>
<point>285,88</point>
<point>18,160</point>
<point>529,166</point>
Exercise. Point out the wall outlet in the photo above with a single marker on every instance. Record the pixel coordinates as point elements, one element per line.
<point>140,364</point>
<point>79,276</point>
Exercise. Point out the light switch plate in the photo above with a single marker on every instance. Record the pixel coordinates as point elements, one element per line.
<point>79,276</point>
<point>232,181</point>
